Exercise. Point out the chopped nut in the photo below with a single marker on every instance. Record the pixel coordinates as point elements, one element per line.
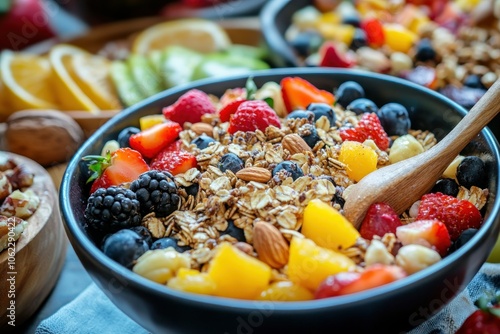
<point>270,245</point>
<point>257,174</point>
<point>20,204</point>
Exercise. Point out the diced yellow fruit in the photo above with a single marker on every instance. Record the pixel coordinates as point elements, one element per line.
<point>148,121</point>
<point>285,291</point>
<point>236,274</point>
<point>467,5</point>
<point>191,280</point>
<point>160,265</point>
<point>360,160</point>
<point>398,38</point>
<point>404,147</point>
<point>310,264</point>
<point>327,227</point>
<point>339,32</point>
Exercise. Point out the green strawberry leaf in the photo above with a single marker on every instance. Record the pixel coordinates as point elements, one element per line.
<point>269,101</point>
<point>97,164</point>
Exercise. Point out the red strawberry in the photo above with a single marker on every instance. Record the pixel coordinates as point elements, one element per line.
<point>379,220</point>
<point>347,283</point>
<point>174,160</point>
<point>374,32</point>
<point>458,215</point>
<point>121,166</point>
<point>428,233</point>
<point>368,127</point>
<point>485,320</point>
<point>253,115</point>
<point>189,107</point>
<point>152,140</point>
<point>229,109</point>
<point>298,93</point>
<point>331,56</point>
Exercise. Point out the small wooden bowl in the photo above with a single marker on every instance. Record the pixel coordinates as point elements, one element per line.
<point>39,253</point>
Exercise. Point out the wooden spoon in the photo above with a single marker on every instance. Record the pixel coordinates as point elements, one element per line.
<point>402,183</point>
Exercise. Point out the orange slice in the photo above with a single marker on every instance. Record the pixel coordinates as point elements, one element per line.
<point>27,81</point>
<point>197,34</point>
<point>82,79</point>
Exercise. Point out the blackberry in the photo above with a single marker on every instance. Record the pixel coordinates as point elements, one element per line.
<point>157,192</point>
<point>125,247</point>
<point>111,209</point>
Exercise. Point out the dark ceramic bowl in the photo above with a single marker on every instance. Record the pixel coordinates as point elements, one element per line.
<point>391,308</point>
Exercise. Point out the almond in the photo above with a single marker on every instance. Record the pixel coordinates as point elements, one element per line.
<point>295,144</point>
<point>270,245</point>
<point>257,174</point>
<point>202,128</point>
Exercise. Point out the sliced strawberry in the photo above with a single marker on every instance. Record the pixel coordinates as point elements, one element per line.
<point>369,127</point>
<point>379,220</point>
<point>152,140</point>
<point>121,166</point>
<point>175,162</point>
<point>229,109</point>
<point>298,93</point>
<point>374,31</point>
<point>332,56</point>
<point>175,146</point>
<point>458,215</point>
<point>346,283</point>
<point>428,233</point>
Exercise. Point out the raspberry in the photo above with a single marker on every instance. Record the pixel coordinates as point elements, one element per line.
<point>368,127</point>
<point>189,107</point>
<point>379,220</point>
<point>458,215</point>
<point>253,115</point>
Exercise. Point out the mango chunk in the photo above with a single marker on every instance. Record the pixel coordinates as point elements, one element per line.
<point>327,227</point>
<point>310,264</point>
<point>360,160</point>
<point>285,291</point>
<point>191,280</point>
<point>236,274</point>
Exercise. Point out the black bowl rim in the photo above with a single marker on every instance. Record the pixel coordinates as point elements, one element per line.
<point>79,238</point>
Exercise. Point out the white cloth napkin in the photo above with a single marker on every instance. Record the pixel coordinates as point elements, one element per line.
<point>92,312</point>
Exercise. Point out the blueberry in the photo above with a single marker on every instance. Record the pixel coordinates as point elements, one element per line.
<point>348,92</point>
<point>446,186</point>
<point>234,231</point>
<point>301,114</point>
<point>473,81</point>
<point>359,39</point>
<point>351,19</point>
<point>232,162</point>
<point>395,119</point>
<point>125,247</point>
<point>310,135</point>
<point>462,239</point>
<point>202,141</point>
<point>85,171</point>
<point>306,42</point>
<point>124,135</point>
<point>425,51</point>
<point>164,243</point>
<point>362,105</point>
<point>337,198</point>
<point>322,109</point>
<point>143,233</point>
<point>192,189</point>
<point>471,171</point>
<point>289,168</point>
